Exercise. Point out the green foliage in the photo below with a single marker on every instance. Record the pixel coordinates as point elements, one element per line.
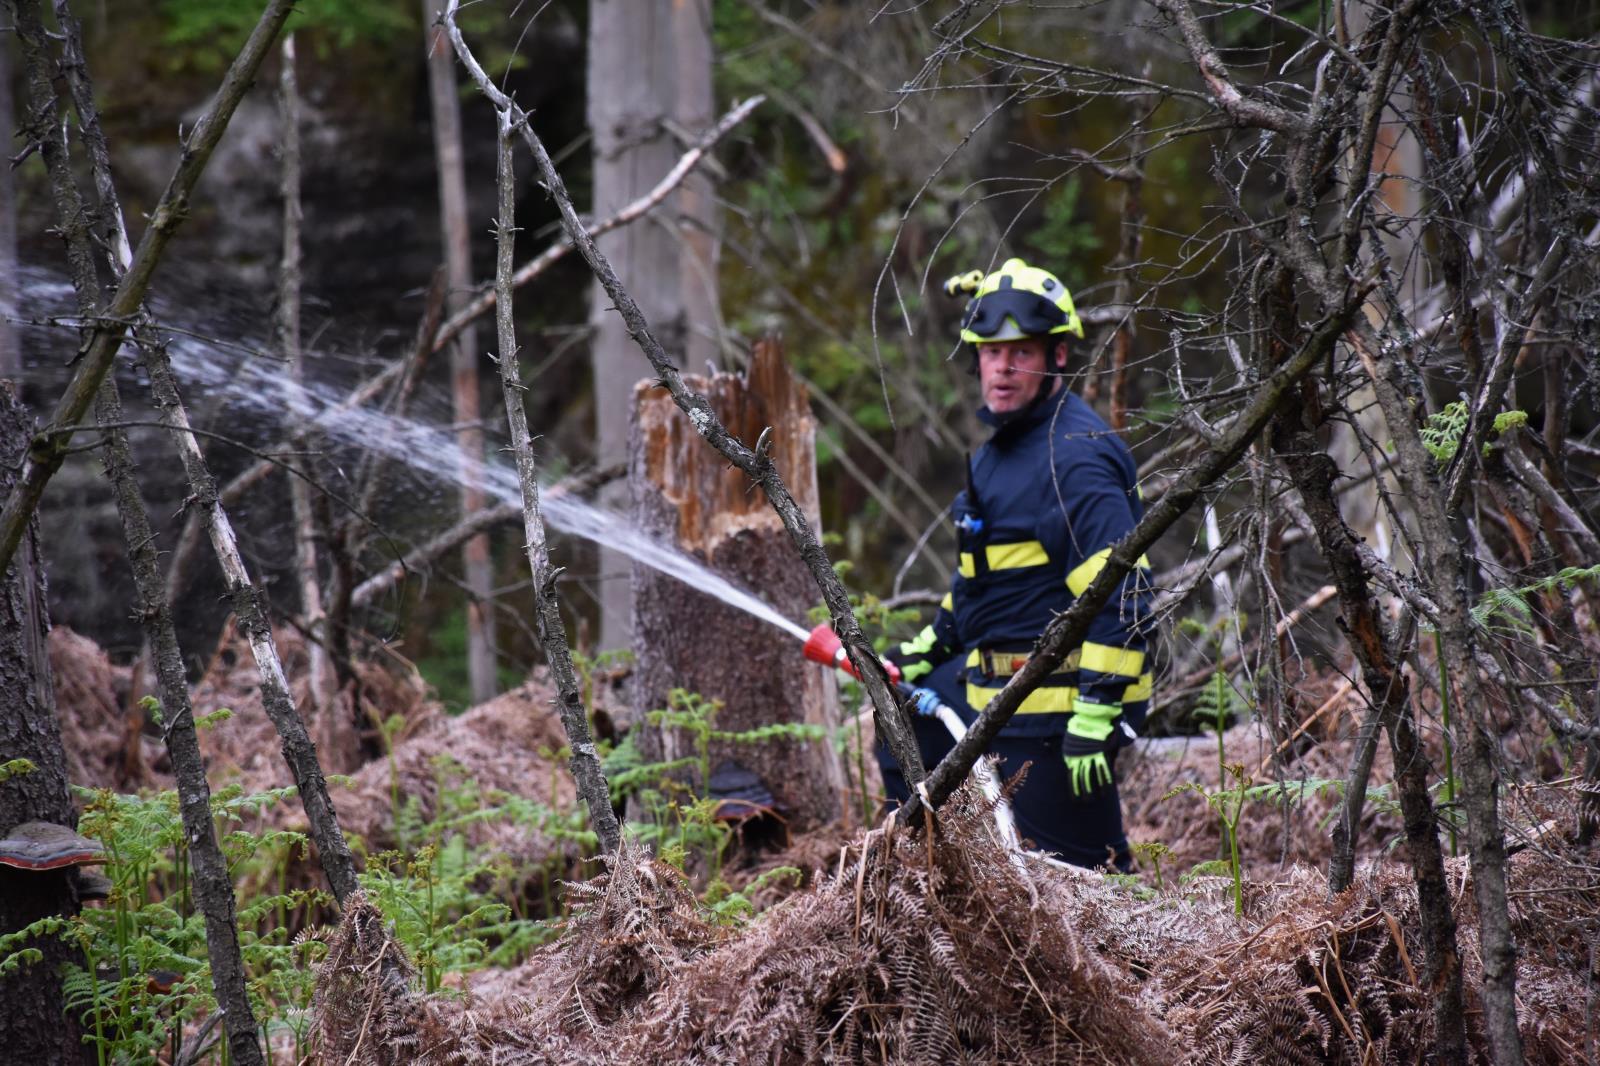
<point>15,768</point>
<point>1442,432</point>
<point>1152,851</point>
<point>1508,608</point>
<point>445,898</point>
<point>683,823</point>
<point>1228,803</point>
<point>208,33</point>
<point>1064,237</point>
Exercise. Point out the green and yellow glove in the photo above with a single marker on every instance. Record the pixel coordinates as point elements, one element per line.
<point>1090,737</point>
<point>917,657</point>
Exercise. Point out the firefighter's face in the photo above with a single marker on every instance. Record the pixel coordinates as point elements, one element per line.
<point>1013,373</point>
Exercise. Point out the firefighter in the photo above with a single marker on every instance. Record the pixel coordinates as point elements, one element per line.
<point>1047,495</point>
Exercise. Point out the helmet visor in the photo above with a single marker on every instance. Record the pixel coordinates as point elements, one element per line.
<point>1034,315</point>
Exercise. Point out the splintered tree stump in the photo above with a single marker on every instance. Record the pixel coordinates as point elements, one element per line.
<point>685,493</point>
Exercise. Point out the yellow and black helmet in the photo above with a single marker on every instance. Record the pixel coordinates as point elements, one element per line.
<point>1014,302</point>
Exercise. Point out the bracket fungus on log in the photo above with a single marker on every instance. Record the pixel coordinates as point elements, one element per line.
<point>47,846</point>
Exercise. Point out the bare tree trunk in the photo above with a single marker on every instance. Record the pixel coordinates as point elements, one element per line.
<point>695,214</point>
<point>34,1026</point>
<point>1313,472</point>
<point>455,229</point>
<point>685,493</point>
<point>288,325</point>
<point>668,268</point>
<point>10,352</point>
<point>298,749</point>
<point>208,867</point>
<point>585,762</point>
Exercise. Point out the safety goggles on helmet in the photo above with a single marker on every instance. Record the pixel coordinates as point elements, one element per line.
<point>1014,302</point>
<point>1011,315</point>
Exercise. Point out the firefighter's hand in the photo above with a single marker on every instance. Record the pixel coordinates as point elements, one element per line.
<point>924,701</point>
<point>1091,736</point>
<point>916,658</point>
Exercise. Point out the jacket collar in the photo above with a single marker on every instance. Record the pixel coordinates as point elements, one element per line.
<point>1041,410</point>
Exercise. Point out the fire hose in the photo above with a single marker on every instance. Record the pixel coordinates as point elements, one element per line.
<point>824,646</point>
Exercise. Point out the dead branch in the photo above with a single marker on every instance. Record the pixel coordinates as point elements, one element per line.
<point>485,300</point>
<point>584,760</point>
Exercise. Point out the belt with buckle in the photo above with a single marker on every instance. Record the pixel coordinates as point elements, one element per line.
<point>1004,662</point>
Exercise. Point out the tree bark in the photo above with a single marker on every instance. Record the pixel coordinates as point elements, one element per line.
<point>298,749</point>
<point>668,268</point>
<point>455,231</point>
<point>10,351</point>
<point>34,1025</point>
<point>1313,472</point>
<point>584,760</point>
<point>288,325</point>
<point>685,494</point>
<point>208,867</point>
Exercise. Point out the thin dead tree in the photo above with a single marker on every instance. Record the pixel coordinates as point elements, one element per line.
<point>298,749</point>
<point>456,231</point>
<point>890,718</point>
<point>213,886</point>
<point>288,328</point>
<point>584,760</point>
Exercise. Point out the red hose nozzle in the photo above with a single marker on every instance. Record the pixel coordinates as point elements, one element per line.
<point>824,646</point>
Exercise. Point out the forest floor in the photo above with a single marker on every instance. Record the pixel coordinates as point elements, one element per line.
<point>886,945</point>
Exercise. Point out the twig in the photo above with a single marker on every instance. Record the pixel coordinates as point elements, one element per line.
<point>585,759</point>
<point>485,301</point>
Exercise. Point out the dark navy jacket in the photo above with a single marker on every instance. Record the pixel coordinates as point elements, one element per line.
<point>1047,496</point>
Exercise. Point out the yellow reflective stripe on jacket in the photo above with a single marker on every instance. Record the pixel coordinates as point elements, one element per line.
<point>1055,700</point>
<point>1083,575</point>
<point>1006,557</point>
<point>1013,556</point>
<point>1039,701</point>
<point>948,603</point>
<point>1108,659</point>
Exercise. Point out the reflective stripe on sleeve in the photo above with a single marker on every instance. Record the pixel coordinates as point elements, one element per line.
<point>1083,575</point>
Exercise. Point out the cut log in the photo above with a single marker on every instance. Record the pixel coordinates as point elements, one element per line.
<point>683,638</point>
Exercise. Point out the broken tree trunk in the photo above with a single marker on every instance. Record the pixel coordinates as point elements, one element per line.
<point>684,638</point>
